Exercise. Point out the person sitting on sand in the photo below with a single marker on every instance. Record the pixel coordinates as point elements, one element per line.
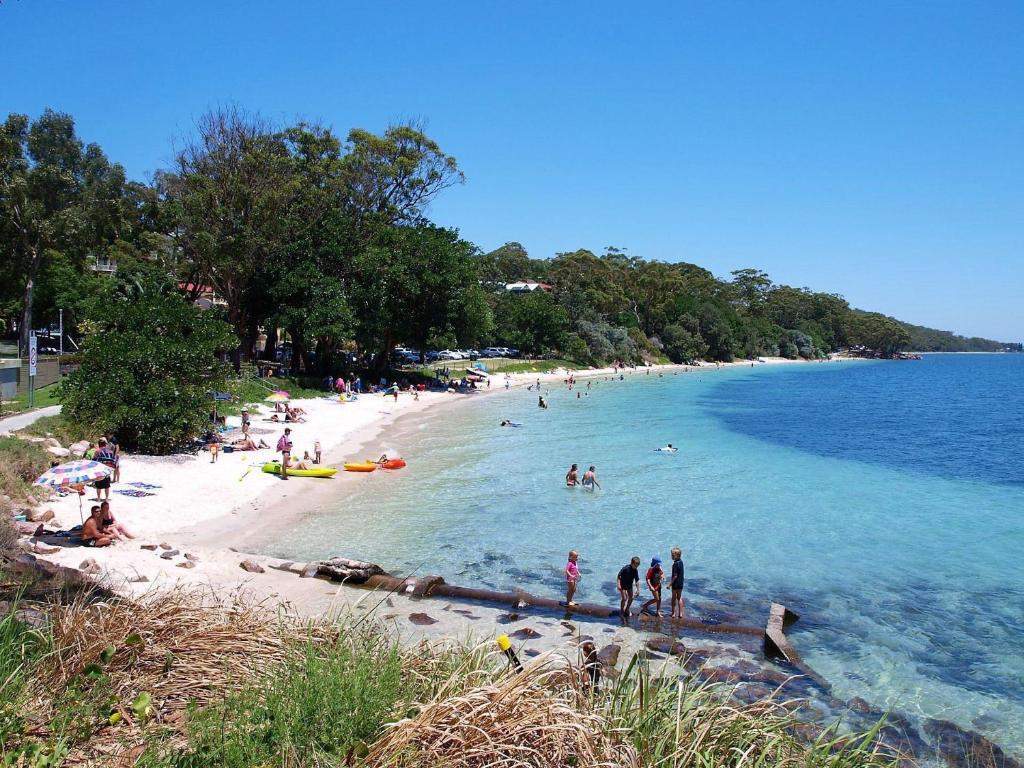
<point>292,415</point>
<point>92,531</point>
<point>110,525</point>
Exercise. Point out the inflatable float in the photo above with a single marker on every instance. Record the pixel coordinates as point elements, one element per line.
<point>274,468</point>
<point>666,449</point>
<point>360,466</point>
<point>389,463</point>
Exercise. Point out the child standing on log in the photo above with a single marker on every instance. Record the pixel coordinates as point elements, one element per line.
<point>572,576</point>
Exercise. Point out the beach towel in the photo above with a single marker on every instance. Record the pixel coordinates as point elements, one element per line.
<point>133,493</point>
<point>147,486</point>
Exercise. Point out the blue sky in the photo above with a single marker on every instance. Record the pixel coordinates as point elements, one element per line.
<point>875,149</point>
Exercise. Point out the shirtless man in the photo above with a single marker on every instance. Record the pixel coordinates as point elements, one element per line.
<point>571,477</point>
<point>92,531</point>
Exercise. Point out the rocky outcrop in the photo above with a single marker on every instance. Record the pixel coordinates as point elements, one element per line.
<point>246,565</point>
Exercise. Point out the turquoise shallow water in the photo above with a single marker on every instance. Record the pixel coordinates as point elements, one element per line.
<point>884,502</point>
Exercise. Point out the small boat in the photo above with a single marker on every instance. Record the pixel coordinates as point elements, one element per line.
<point>360,466</point>
<point>396,463</point>
<point>274,468</point>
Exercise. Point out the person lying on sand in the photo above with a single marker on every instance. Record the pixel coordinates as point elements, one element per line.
<point>304,463</point>
<point>246,444</point>
<point>92,531</point>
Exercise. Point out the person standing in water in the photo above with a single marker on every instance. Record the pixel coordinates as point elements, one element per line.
<point>572,577</point>
<point>590,479</point>
<point>677,583</point>
<point>571,477</point>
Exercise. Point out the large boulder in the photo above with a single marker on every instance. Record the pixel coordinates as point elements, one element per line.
<point>78,449</point>
<point>51,442</point>
<point>350,571</point>
<point>57,451</point>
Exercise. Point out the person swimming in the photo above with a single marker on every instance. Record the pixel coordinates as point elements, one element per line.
<point>590,479</point>
<point>667,449</point>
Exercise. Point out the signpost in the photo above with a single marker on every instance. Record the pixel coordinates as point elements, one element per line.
<point>33,359</point>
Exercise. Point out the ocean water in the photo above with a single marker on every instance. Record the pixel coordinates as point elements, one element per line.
<point>882,501</point>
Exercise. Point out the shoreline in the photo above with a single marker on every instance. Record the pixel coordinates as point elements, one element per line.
<point>225,509</point>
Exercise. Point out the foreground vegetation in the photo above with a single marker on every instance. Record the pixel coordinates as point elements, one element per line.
<point>110,681</point>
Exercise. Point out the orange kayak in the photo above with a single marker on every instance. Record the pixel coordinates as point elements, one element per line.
<point>390,463</point>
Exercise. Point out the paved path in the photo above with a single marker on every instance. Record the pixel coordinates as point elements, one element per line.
<point>22,420</point>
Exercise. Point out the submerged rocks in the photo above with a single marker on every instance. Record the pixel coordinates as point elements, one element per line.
<point>345,570</point>
<point>422,619</point>
<point>966,748</point>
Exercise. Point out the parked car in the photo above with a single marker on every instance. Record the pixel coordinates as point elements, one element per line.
<point>448,354</point>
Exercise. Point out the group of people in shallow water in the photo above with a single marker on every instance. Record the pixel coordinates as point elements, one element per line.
<point>628,583</point>
<point>589,481</point>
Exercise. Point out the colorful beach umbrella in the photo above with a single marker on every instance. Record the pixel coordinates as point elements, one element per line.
<point>278,397</point>
<point>77,472</point>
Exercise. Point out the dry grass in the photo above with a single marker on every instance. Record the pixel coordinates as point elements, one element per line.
<point>181,649</point>
<point>239,685</point>
<point>537,718</point>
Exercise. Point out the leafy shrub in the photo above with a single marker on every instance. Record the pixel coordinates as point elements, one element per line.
<point>323,703</point>
<point>146,372</point>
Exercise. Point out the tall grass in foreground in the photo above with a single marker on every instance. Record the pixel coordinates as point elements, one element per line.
<point>176,682</point>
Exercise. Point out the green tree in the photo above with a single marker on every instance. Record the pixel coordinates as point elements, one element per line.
<point>682,345</point>
<point>418,283</point>
<point>228,195</point>
<point>146,371</point>
<point>57,197</point>
<point>534,323</point>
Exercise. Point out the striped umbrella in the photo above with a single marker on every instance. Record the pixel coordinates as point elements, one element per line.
<point>74,473</point>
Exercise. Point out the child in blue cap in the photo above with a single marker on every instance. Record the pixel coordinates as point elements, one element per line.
<point>654,577</point>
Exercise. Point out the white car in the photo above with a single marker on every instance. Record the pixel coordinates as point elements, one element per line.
<point>447,354</point>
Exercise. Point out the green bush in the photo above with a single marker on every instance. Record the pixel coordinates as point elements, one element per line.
<point>146,371</point>
<point>323,704</point>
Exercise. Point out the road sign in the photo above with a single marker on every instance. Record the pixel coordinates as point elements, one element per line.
<point>33,355</point>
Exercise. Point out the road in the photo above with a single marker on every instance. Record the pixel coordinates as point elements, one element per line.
<point>22,420</point>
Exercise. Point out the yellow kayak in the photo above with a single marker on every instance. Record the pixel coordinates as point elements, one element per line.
<point>274,468</point>
<point>360,466</point>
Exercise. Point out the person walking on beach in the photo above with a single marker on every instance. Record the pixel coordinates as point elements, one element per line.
<point>654,576</point>
<point>572,577</point>
<point>677,583</point>
<point>284,446</point>
<point>628,576</point>
<point>590,479</point>
<point>571,477</point>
